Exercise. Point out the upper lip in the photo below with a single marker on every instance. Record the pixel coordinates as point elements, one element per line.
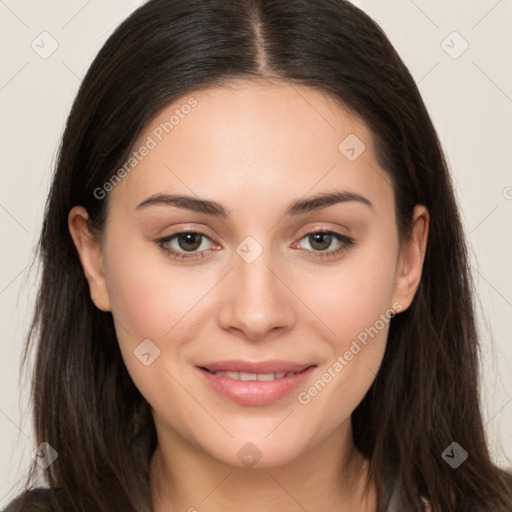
<point>271,366</point>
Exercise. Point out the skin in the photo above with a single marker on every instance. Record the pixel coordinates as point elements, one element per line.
<point>254,147</point>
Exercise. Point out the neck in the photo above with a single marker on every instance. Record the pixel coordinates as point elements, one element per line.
<point>330,476</point>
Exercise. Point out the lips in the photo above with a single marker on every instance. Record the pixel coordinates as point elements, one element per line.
<point>255,383</point>
<point>246,376</point>
<point>270,366</point>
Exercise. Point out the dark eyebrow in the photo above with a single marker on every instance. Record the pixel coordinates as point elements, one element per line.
<point>323,200</point>
<point>218,210</point>
<point>187,202</point>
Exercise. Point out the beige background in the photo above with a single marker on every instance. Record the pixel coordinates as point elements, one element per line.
<point>469,96</point>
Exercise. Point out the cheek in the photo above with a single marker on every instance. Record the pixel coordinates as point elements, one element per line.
<point>149,295</point>
<point>355,302</point>
<point>153,299</point>
<point>353,295</point>
<point>150,301</point>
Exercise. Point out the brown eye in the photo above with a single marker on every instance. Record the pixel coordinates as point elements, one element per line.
<point>185,245</point>
<point>320,241</point>
<point>189,241</point>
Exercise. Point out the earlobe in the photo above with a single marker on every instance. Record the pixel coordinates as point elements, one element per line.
<point>91,256</point>
<point>411,257</point>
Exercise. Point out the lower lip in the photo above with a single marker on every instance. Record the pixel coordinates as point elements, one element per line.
<point>255,392</point>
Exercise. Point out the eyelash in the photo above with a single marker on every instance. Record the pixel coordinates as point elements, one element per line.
<point>346,243</point>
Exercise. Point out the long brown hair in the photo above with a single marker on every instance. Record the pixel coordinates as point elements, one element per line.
<point>425,395</point>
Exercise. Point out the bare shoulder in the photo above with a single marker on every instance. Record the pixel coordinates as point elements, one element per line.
<point>33,500</point>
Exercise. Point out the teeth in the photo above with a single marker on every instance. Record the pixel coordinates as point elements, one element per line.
<point>247,376</point>
<point>266,376</point>
<point>254,376</point>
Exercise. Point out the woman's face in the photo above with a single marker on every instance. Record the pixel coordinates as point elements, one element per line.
<point>250,290</point>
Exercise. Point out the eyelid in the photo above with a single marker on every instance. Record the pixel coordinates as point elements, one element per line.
<point>168,238</point>
<point>325,229</point>
<point>346,240</point>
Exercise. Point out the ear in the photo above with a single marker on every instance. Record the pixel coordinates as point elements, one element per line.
<point>90,252</point>
<point>410,260</point>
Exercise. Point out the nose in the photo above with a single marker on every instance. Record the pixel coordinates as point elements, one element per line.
<point>256,300</point>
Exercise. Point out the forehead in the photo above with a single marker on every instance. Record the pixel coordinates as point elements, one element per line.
<point>253,138</point>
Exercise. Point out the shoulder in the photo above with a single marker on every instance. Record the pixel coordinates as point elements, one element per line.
<point>33,500</point>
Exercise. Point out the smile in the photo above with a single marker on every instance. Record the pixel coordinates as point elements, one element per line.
<point>255,384</point>
<point>265,377</point>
